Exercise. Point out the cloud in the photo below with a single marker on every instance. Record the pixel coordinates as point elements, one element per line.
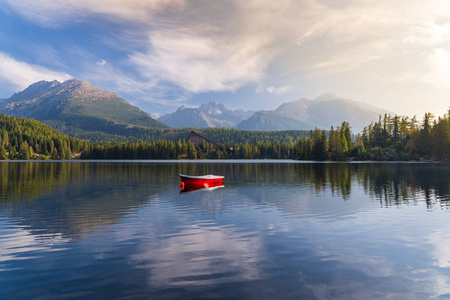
<point>101,62</point>
<point>439,68</point>
<point>108,76</point>
<point>22,74</point>
<point>18,244</point>
<point>271,89</point>
<point>427,34</point>
<point>206,46</point>
<point>209,47</point>
<point>200,64</point>
<point>439,240</point>
<point>197,49</point>
<point>104,73</point>
<point>58,13</point>
<point>237,253</point>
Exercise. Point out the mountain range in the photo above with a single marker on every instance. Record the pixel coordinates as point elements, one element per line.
<point>212,114</point>
<point>77,108</point>
<point>74,106</point>
<point>304,114</point>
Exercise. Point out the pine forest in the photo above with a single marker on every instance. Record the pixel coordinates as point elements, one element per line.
<point>391,138</point>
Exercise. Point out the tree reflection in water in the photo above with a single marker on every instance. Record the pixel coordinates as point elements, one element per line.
<point>390,183</point>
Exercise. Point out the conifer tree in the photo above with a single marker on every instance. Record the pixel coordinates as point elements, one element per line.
<point>3,154</point>
<point>55,153</point>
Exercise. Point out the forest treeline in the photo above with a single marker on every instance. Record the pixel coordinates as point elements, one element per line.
<point>390,138</point>
<point>22,138</point>
<point>107,131</point>
<point>186,150</point>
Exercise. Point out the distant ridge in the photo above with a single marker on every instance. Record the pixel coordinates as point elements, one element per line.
<point>211,114</point>
<point>323,112</point>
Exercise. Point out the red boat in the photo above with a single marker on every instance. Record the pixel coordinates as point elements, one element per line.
<point>201,180</point>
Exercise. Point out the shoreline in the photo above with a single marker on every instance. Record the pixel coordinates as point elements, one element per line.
<point>233,161</point>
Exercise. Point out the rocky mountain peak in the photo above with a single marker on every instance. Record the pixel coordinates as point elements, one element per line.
<point>78,84</point>
<point>34,90</point>
<point>296,109</point>
<point>211,114</point>
<point>83,89</point>
<point>43,83</point>
<point>328,97</point>
<point>213,108</point>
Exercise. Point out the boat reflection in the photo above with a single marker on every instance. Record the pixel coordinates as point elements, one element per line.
<point>200,186</point>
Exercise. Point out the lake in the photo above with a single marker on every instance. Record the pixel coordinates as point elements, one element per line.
<point>276,230</point>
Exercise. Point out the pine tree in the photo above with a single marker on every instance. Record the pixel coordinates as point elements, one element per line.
<point>424,139</point>
<point>24,151</point>
<point>55,153</point>
<point>3,153</point>
<point>191,151</point>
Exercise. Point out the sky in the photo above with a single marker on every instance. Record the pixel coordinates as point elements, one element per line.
<point>254,54</point>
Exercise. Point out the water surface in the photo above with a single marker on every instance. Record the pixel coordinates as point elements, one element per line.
<point>123,230</point>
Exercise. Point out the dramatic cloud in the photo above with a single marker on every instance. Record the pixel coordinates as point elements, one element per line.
<point>22,74</point>
<point>105,74</point>
<point>202,64</point>
<point>350,47</point>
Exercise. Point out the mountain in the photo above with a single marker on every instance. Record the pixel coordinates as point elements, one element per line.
<point>76,106</point>
<point>244,114</point>
<point>271,121</point>
<point>323,112</point>
<point>212,114</point>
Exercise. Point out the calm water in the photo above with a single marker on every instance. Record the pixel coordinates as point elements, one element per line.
<point>123,230</point>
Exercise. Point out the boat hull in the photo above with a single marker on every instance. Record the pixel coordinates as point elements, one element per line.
<point>201,180</point>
